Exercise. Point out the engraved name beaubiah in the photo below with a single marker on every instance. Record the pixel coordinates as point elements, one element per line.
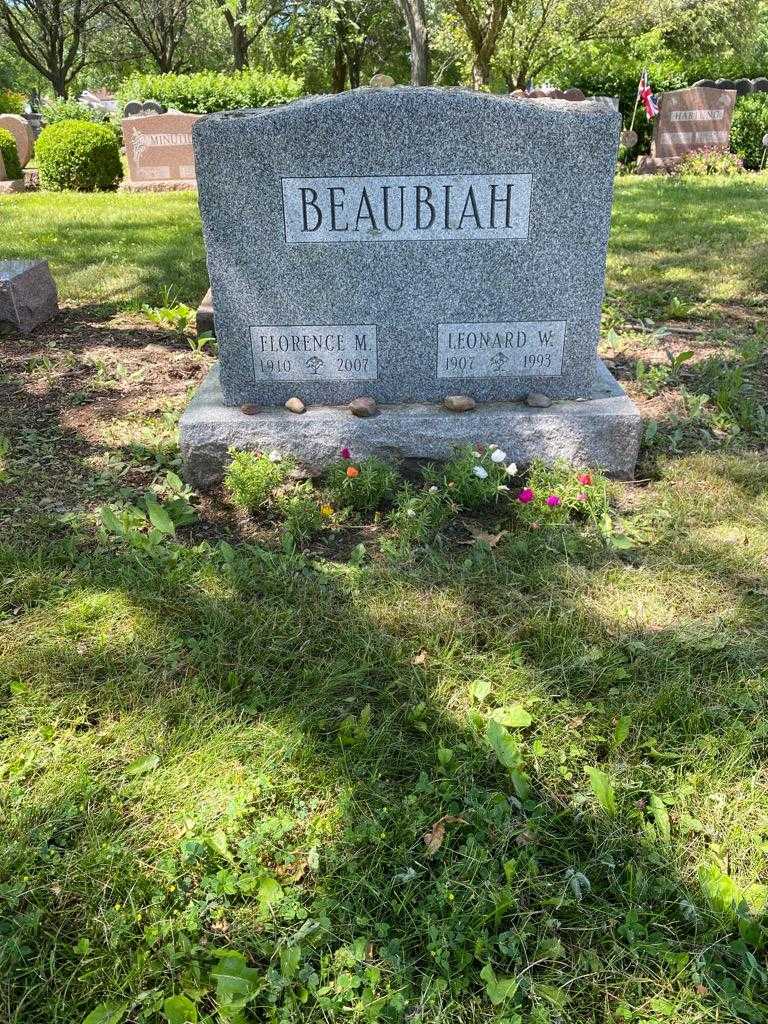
<point>406,208</point>
<point>293,353</point>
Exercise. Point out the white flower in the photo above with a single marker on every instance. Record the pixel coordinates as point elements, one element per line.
<point>275,456</point>
<point>433,489</point>
<point>479,472</point>
<point>498,455</point>
<point>411,513</point>
<point>492,447</point>
<point>511,469</point>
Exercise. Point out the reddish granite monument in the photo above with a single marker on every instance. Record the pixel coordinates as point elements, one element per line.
<point>689,121</point>
<point>159,152</point>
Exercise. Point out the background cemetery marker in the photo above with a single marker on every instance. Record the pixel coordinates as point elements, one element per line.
<point>22,132</point>
<point>159,151</point>
<point>691,120</point>
<point>407,244</point>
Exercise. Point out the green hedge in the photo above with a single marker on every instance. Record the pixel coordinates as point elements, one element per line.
<point>10,155</point>
<point>78,155</point>
<point>207,91</point>
<point>11,102</point>
<point>750,124</point>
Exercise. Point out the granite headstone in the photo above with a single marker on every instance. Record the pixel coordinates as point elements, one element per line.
<point>28,295</point>
<point>158,148</point>
<point>401,246</point>
<point>691,120</point>
<point>22,132</point>
<point>407,244</point>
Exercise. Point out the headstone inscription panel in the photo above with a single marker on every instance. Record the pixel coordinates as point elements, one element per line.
<point>159,148</point>
<point>691,120</point>
<point>406,244</point>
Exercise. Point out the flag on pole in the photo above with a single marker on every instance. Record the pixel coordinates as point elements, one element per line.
<point>645,96</point>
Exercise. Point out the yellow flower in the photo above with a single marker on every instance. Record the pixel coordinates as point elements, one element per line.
<point>326,510</point>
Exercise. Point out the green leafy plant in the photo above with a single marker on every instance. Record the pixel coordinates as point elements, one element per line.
<point>360,486</point>
<point>80,156</point>
<point>554,493</point>
<point>474,479</point>
<point>708,162</point>
<point>251,478</point>
<point>204,92</point>
<point>10,155</point>
<point>11,102</point>
<point>177,317</point>
<point>750,124</point>
<point>418,514</point>
<point>301,512</point>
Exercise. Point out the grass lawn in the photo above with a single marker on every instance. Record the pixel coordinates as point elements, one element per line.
<point>512,775</point>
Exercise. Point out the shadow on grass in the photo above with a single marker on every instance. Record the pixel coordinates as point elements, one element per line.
<point>295,693</point>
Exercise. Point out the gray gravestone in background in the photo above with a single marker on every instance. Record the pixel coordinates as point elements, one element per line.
<point>407,244</point>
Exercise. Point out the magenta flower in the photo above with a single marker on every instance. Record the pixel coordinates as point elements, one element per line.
<point>346,453</point>
<point>553,501</point>
<point>525,495</point>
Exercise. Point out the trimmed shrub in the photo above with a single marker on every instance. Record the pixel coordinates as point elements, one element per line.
<point>750,124</point>
<point>10,155</point>
<point>71,110</point>
<point>11,102</point>
<point>80,156</point>
<point>208,91</point>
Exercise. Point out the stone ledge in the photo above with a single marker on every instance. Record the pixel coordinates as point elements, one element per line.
<point>11,185</point>
<point>603,431</point>
<point>158,186</point>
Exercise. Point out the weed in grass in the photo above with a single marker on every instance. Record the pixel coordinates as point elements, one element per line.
<point>301,512</point>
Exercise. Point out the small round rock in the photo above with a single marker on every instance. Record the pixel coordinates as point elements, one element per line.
<point>249,410</point>
<point>458,403</point>
<point>382,82</point>
<point>363,407</point>
<point>295,405</point>
<point>538,400</point>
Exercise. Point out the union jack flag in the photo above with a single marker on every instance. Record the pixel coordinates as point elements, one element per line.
<point>645,96</point>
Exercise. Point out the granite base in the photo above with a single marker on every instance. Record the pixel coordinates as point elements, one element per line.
<point>602,431</point>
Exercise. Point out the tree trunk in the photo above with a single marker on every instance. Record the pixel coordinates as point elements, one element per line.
<point>415,15</point>
<point>339,77</point>
<point>481,73</point>
<point>240,44</point>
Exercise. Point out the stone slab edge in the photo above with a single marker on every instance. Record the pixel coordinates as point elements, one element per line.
<point>12,185</point>
<point>158,186</point>
<point>603,431</point>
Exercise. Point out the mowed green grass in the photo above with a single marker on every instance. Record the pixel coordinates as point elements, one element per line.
<point>219,747</point>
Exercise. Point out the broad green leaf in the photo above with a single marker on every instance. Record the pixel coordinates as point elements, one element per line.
<point>111,522</point>
<point>602,787</point>
<point>180,1010</point>
<point>658,809</point>
<point>480,689</point>
<point>107,1013</point>
<point>723,893</point>
<point>142,765</point>
<point>236,984</point>
<point>504,745</point>
<point>514,716</point>
<point>270,891</point>
<point>498,988</point>
<point>159,517</point>
<point>217,842</point>
<point>174,481</point>
<point>621,731</point>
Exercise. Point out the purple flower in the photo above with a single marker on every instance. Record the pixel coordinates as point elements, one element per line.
<point>346,453</point>
<point>553,501</point>
<point>525,495</point>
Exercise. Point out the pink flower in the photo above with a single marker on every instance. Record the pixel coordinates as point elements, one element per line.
<point>553,501</point>
<point>584,478</point>
<point>346,453</point>
<point>581,497</point>
<point>525,495</point>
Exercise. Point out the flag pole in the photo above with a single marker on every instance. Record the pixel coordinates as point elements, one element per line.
<point>637,100</point>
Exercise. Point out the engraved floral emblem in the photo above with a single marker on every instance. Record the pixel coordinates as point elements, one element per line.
<point>315,364</point>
